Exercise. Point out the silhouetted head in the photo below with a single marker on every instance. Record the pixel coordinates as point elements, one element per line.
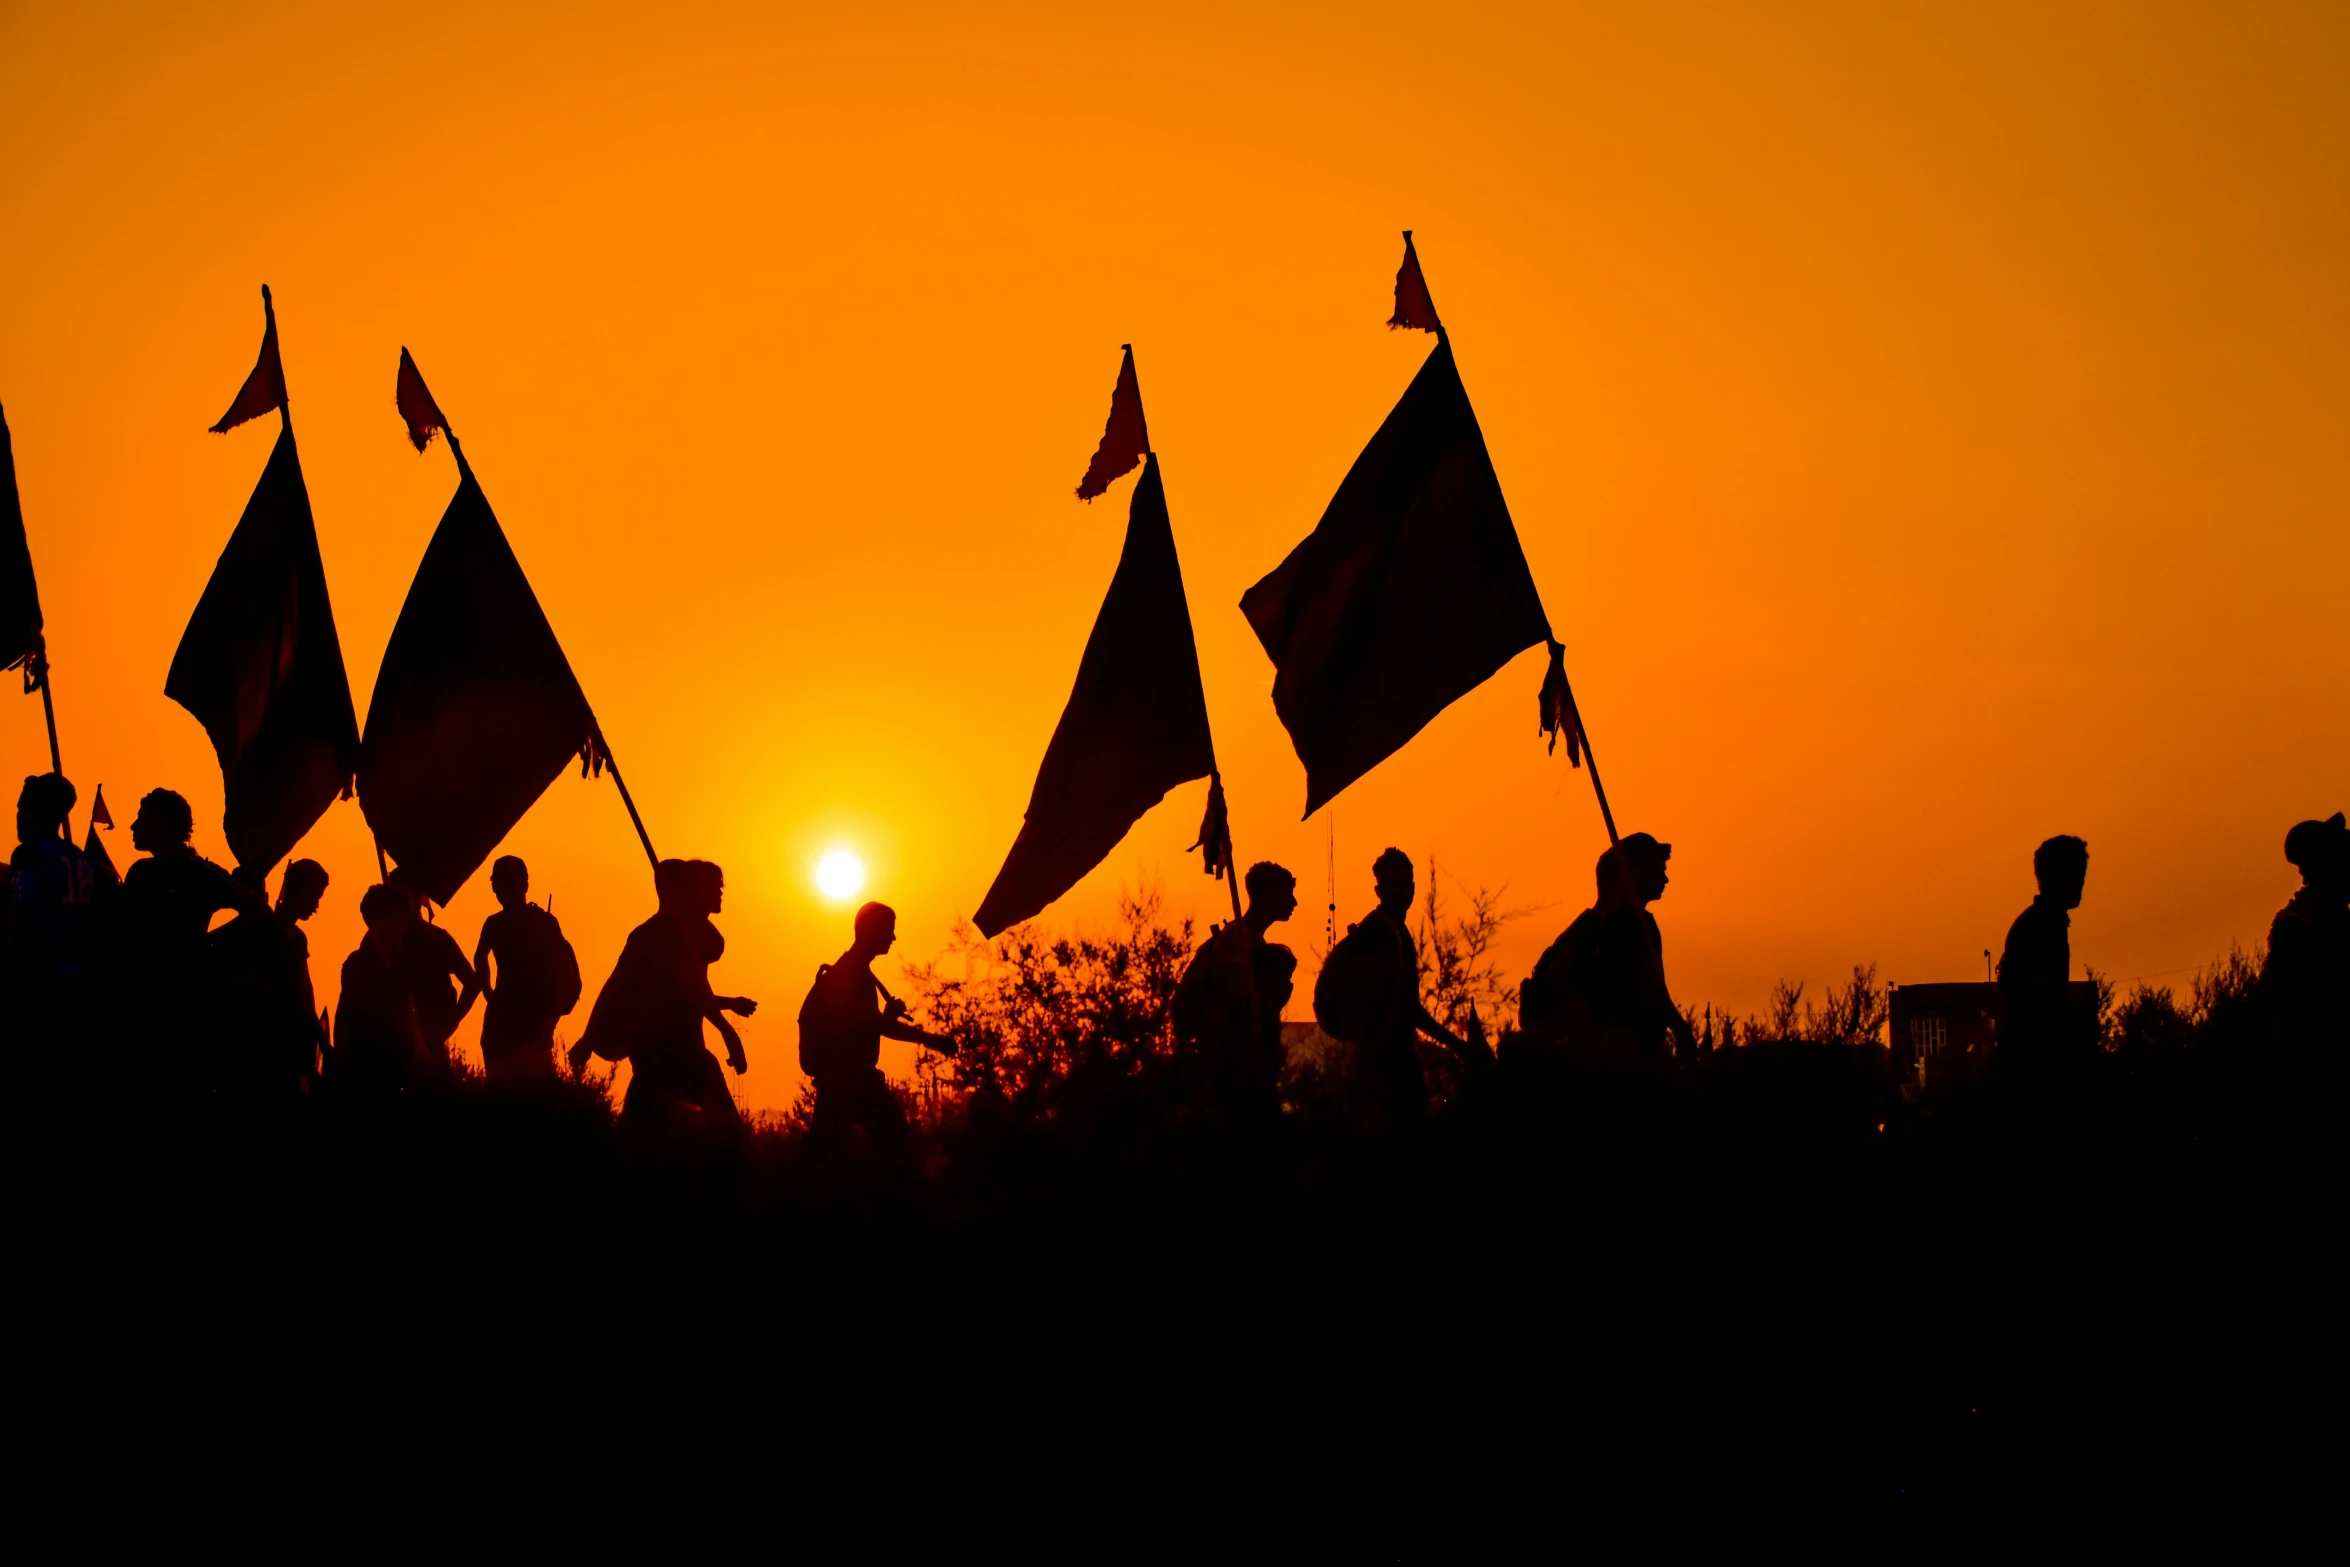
<point>510,880</point>
<point>164,823</point>
<point>690,886</point>
<point>41,807</point>
<point>877,929</point>
<point>1646,858</point>
<point>301,889</point>
<point>2062,867</point>
<point>1271,890</point>
<point>2321,850</point>
<point>387,910</point>
<point>1391,877</point>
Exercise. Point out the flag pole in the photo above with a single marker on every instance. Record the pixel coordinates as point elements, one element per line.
<point>628,800</point>
<point>40,659</point>
<point>1231,861</point>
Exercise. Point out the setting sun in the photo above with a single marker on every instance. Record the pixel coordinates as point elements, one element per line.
<point>839,875</point>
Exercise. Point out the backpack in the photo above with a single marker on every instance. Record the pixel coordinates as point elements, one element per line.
<point>552,966</point>
<point>561,970</point>
<point>836,1021</point>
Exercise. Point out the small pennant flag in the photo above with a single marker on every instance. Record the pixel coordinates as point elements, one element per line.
<point>1413,306</point>
<point>1126,439</point>
<point>1215,832</point>
<point>416,405</point>
<point>265,388</point>
<point>101,863</point>
<point>100,816</point>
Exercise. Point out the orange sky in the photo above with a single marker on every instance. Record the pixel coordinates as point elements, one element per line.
<point>1930,432</point>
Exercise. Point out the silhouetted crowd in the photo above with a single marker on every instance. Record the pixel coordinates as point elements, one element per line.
<point>143,969</point>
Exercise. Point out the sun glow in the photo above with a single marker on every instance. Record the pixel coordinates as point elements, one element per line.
<point>839,875</point>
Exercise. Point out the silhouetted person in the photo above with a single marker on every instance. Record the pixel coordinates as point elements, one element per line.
<point>299,893</point>
<point>268,1036</point>
<point>842,1023</point>
<point>243,965</point>
<point>2305,980</point>
<point>168,901</point>
<point>1228,1007</point>
<point>2040,1030</point>
<point>440,981</point>
<point>651,1011</point>
<point>533,984</point>
<point>1369,995</point>
<point>53,913</point>
<point>376,1043</point>
<point>1600,988</point>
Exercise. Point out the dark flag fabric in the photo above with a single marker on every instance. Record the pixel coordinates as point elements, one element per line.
<point>1414,307</point>
<point>1135,727</point>
<point>1410,592</point>
<point>422,414</point>
<point>1126,440</point>
<point>265,389</point>
<point>262,669</point>
<point>20,596</point>
<point>475,709</point>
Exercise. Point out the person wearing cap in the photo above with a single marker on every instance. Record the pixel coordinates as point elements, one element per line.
<point>1600,988</point>
<point>2039,1029</point>
<point>2305,980</point>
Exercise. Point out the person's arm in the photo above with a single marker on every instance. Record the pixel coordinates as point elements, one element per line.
<point>1437,1031</point>
<point>734,1041</point>
<point>478,982</point>
<point>895,1026</point>
<point>467,977</point>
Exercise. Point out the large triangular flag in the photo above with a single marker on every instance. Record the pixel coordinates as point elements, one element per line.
<point>1135,727</point>
<point>260,664</point>
<point>20,595</point>
<point>475,709</point>
<point>1412,589</point>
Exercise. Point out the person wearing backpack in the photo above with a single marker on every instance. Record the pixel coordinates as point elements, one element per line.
<point>535,985</point>
<point>651,1011</point>
<point>842,1023</point>
<point>1599,990</point>
<point>1368,994</point>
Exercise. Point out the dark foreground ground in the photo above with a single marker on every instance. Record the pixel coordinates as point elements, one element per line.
<point>1771,1271</point>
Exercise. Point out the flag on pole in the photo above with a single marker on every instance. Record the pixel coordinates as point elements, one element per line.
<point>1415,308</point>
<point>475,709</point>
<point>20,595</point>
<point>264,390</point>
<point>1135,727</point>
<point>1126,440</point>
<point>414,400</point>
<point>94,846</point>
<point>1412,589</point>
<point>260,665</point>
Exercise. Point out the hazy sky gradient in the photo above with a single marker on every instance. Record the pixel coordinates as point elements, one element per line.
<point>1929,427</point>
